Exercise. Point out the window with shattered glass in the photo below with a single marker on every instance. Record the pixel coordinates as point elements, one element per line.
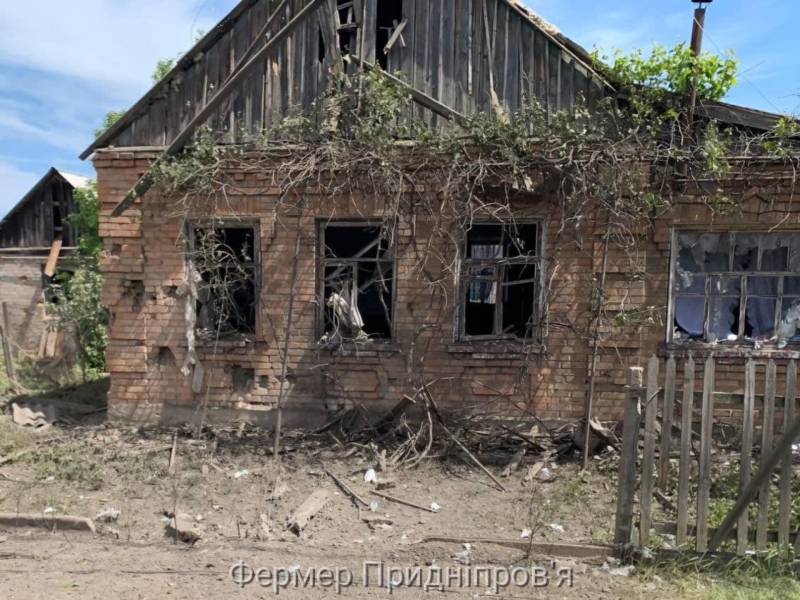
<point>501,285</point>
<point>356,286</point>
<point>737,287</point>
<point>225,266</point>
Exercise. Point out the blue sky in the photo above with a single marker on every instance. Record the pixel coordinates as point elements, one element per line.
<point>65,63</point>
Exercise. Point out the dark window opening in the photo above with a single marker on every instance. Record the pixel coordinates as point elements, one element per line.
<point>348,21</point>
<point>737,287</point>
<point>224,260</point>
<point>501,275</point>
<point>390,15</point>
<point>357,286</point>
<point>58,219</point>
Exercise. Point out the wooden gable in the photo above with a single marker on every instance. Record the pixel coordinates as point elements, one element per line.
<point>469,55</point>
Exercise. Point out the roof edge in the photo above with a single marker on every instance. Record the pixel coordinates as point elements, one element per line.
<point>208,40</point>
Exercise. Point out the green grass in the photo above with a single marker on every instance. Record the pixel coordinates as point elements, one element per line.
<point>768,577</point>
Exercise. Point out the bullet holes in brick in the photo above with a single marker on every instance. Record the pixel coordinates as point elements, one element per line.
<point>134,289</point>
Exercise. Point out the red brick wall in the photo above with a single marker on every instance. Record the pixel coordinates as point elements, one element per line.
<point>144,265</point>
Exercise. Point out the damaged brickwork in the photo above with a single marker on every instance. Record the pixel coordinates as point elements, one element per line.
<point>145,266</point>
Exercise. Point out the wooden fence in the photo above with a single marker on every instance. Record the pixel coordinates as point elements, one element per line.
<point>669,424</point>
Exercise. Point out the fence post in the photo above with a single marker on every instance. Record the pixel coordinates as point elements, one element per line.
<point>629,453</point>
<point>5,338</point>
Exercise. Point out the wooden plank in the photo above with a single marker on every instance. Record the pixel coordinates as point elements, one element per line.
<point>158,122</point>
<point>666,424</point>
<point>52,260</point>
<point>767,429</point>
<point>447,52</point>
<point>748,417</point>
<point>308,510</point>
<point>554,75</point>
<point>145,183</point>
<point>684,465</point>
<point>243,37</point>
<point>511,82</point>
<point>370,26</point>
<point>671,529</point>
<point>706,432</point>
<point>785,515</point>
<point>395,37</point>
<point>648,456</point>
<point>8,353</point>
<point>567,80</point>
<point>629,453</point>
<point>762,477</point>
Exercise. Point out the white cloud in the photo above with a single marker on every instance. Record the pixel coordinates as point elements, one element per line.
<point>14,184</point>
<point>111,43</point>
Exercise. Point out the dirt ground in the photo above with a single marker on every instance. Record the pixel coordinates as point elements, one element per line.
<point>239,503</point>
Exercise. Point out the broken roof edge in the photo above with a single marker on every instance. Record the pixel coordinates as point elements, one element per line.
<point>227,23</point>
<point>51,173</point>
<point>208,40</point>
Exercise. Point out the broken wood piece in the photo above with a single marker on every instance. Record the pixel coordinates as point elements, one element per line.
<point>49,522</point>
<point>404,502</point>
<point>435,408</point>
<point>374,521</point>
<point>355,497</point>
<point>308,510</point>
<point>52,260</point>
<point>395,36</point>
<point>513,464</point>
<point>386,484</point>
<point>665,502</point>
<point>533,471</point>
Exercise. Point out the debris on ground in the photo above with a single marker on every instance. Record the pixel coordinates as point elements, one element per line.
<point>181,527</point>
<point>557,528</point>
<point>526,534</point>
<point>240,474</point>
<point>307,511</point>
<point>371,476</point>
<point>38,416</point>
<point>463,557</point>
<point>109,515</point>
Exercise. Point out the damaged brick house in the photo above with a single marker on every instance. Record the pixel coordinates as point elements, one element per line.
<point>307,280</point>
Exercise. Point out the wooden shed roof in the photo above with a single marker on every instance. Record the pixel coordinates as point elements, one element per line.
<point>76,181</point>
<point>204,45</point>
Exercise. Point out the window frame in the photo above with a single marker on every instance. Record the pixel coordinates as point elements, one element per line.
<point>322,262</point>
<point>743,292</point>
<point>500,265</point>
<point>191,240</point>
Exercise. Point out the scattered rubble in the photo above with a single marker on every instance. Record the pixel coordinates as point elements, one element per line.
<point>109,515</point>
<point>182,528</point>
<point>307,511</point>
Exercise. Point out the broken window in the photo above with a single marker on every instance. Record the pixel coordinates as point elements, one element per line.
<point>357,281</point>
<point>501,281</point>
<point>732,287</point>
<point>390,15</point>
<point>224,264</point>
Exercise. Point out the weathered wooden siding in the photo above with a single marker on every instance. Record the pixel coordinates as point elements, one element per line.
<point>34,222</point>
<point>456,51</point>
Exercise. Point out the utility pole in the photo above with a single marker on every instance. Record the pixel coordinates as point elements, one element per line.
<point>698,29</point>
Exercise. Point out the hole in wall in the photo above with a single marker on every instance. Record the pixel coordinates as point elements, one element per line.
<point>165,357</point>
<point>243,379</point>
